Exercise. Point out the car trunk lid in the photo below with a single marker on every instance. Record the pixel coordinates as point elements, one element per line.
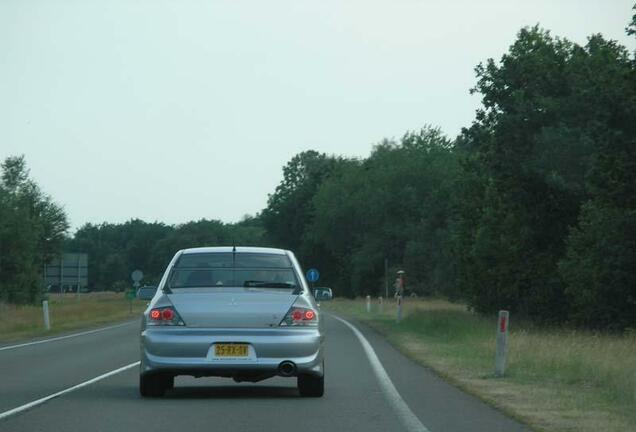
<point>232,307</point>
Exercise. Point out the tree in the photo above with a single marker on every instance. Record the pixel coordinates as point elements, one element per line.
<point>32,229</point>
<point>556,131</point>
<point>394,204</point>
<point>599,268</point>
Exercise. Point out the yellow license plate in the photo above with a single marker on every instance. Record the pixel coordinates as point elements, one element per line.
<point>230,350</point>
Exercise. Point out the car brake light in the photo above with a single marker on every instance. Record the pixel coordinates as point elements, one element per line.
<point>300,316</point>
<point>167,314</point>
<point>164,316</point>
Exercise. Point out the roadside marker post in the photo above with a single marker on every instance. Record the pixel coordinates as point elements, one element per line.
<point>45,311</point>
<point>368,304</point>
<point>502,343</point>
<point>380,305</point>
<point>400,294</point>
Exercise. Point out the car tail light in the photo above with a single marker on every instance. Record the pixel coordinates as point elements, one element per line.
<point>167,314</point>
<point>300,316</point>
<point>164,316</point>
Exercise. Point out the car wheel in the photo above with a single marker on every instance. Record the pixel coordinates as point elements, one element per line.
<point>154,385</point>
<point>311,385</point>
<point>169,382</point>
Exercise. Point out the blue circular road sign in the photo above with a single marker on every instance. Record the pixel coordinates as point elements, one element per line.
<point>313,275</point>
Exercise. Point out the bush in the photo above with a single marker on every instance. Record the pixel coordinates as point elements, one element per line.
<point>600,268</point>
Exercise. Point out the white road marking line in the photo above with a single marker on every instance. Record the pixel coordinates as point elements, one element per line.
<point>68,390</point>
<point>63,337</point>
<point>408,418</point>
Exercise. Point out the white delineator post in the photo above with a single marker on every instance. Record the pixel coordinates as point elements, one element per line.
<point>502,343</point>
<point>368,303</point>
<point>45,311</point>
<point>380,305</point>
<point>400,295</point>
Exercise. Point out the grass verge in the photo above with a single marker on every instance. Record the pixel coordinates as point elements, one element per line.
<point>66,313</point>
<point>556,379</point>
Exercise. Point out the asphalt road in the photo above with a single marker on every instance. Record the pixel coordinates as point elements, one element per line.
<point>356,397</point>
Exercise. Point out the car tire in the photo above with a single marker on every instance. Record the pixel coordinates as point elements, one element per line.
<point>154,385</point>
<point>311,385</point>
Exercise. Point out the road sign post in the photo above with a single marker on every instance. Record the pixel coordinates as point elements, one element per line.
<point>79,269</point>
<point>45,311</point>
<point>313,275</point>
<point>136,276</point>
<point>131,294</point>
<point>502,343</point>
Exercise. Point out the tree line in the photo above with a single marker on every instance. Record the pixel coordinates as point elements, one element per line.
<point>532,208</point>
<point>116,250</point>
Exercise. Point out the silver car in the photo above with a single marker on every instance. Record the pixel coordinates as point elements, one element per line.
<point>238,312</point>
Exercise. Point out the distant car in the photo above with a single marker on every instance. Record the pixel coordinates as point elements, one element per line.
<point>244,313</point>
<point>146,292</point>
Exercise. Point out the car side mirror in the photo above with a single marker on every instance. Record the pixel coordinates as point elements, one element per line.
<point>146,292</point>
<point>323,294</point>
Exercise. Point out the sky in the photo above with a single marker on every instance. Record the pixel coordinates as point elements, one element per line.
<point>174,111</point>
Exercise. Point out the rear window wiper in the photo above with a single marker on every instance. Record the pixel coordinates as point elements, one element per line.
<point>264,284</point>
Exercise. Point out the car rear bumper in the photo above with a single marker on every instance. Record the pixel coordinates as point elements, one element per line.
<point>190,351</point>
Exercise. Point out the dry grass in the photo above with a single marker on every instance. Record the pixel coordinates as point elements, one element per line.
<point>66,313</point>
<point>557,379</point>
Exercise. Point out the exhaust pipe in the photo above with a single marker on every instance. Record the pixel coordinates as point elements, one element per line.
<point>287,368</point>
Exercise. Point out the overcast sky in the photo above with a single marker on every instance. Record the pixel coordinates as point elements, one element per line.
<point>180,110</point>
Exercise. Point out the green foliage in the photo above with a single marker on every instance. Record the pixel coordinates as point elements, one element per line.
<point>115,250</point>
<point>288,210</point>
<point>557,128</point>
<point>32,229</point>
<point>631,28</point>
<point>599,267</point>
<point>385,206</point>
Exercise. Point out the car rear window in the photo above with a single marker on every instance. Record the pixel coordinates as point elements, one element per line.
<point>230,260</point>
<point>233,277</point>
<point>249,270</point>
